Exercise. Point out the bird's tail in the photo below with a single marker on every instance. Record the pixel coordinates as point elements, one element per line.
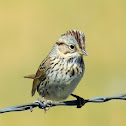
<point>30,76</point>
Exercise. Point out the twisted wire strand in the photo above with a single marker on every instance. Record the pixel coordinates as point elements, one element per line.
<point>79,103</point>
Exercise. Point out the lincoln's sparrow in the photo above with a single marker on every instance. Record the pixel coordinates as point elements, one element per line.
<point>60,72</point>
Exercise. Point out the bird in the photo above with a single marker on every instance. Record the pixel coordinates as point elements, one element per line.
<point>60,72</point>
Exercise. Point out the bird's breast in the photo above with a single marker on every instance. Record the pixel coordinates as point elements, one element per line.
<point>63,79</point>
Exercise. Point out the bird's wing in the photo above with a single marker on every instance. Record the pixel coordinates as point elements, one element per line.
<point>40,74</point>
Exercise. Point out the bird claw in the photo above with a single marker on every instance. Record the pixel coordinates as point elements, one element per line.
<point>47,105</point>
<point>44,104</point>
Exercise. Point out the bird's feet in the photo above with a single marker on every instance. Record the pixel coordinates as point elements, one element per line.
<point>46,104</point>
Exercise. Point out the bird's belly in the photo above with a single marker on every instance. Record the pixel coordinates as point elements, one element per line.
<point>58,91</point>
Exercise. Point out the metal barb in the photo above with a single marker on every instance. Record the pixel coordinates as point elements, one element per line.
<point>79,103</point>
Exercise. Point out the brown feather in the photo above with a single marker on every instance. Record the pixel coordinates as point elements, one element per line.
<point>80,37</point>
<point>40,74</point>
<point>30,76</point>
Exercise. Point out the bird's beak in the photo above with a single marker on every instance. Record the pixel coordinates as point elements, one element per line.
<point>83,52</point>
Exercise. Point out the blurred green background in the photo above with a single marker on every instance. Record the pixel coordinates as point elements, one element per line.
<point>28,30</point>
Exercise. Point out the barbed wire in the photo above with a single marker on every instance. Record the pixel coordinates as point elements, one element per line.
<point>79,103</point>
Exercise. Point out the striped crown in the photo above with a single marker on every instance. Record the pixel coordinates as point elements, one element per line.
<point>79,36</point>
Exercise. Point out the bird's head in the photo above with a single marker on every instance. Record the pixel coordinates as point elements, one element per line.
<point>72,44</point>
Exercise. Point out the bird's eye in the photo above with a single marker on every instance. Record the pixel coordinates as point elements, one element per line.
<point>71,47</point>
